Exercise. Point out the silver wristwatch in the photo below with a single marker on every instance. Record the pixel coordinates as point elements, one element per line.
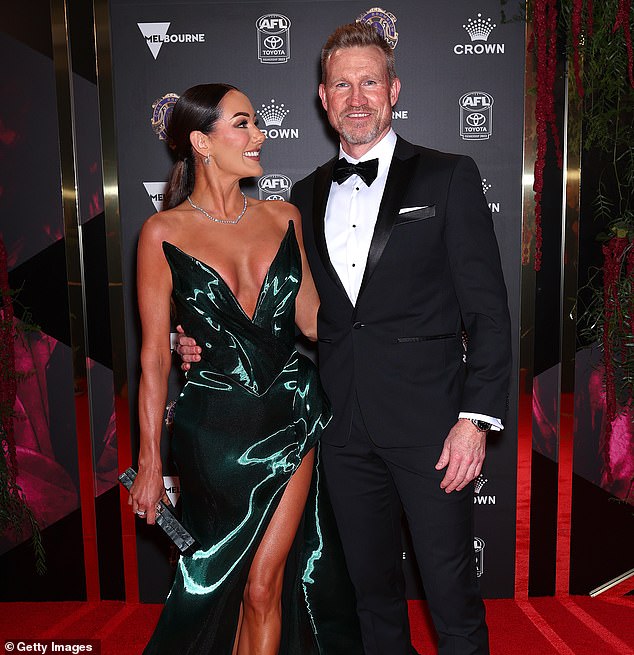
<point>481,426</point>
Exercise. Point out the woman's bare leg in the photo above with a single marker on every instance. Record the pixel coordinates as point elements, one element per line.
<point>262,601</point>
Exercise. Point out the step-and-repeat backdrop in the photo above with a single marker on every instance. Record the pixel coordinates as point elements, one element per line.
<point>462,75</point>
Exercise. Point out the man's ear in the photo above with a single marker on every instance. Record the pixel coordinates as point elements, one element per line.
<point>395,89</point>
<point>322,95</point>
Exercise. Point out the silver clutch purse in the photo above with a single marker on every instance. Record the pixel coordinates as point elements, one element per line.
<point>166,519</point>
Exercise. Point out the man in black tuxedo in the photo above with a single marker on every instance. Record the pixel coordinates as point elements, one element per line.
<point>401,246</point>
<point>404,257</point>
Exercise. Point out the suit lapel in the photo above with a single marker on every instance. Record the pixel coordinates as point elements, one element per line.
<point>398,179</point>
<point>323,180</point>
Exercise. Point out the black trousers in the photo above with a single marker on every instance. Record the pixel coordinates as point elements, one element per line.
<point>369,488</point>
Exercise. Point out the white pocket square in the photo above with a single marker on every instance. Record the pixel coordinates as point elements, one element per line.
<point>413,214</point>
<point>407,210</point>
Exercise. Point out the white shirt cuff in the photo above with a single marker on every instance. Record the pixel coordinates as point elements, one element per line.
<point>496,424</point>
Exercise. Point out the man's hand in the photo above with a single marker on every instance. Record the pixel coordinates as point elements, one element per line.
<point>463,452</point>
<point>187,349</point>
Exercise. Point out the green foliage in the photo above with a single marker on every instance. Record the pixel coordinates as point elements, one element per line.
<point>608,317</point>
<point>608,124</point>
<point>16,517</point>
<point>606,103</point>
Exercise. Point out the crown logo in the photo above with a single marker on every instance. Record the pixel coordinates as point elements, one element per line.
<point>485,185</point>
<point>479,28</point>
<point>273,114</point>
<point>480,481</point>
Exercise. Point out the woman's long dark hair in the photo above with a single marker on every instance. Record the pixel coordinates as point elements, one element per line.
<point>196,109</point>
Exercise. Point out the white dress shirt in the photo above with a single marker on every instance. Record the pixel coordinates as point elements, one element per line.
<point>351,214</point>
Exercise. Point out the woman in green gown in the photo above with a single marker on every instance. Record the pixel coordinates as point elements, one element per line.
<point>248,420</point>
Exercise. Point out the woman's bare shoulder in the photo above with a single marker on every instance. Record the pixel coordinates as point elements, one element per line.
<point>162,226</point>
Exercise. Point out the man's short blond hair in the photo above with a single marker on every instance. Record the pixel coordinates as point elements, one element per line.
<point>355,35</point>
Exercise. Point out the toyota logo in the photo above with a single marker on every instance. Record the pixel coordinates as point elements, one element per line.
<point>273,42</point>
<point>476,119</point>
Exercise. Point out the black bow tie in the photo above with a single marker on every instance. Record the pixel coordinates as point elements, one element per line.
<point>366,170</point>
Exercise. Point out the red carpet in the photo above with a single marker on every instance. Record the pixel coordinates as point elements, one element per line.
<point>577,625</point>
<point>539,626</point>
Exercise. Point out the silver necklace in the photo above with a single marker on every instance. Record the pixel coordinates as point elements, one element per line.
<point>220,220</point>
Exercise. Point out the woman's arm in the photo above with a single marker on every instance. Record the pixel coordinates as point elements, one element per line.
<point>154,288</point>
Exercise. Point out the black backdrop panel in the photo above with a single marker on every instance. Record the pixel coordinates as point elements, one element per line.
<point>462,77</point>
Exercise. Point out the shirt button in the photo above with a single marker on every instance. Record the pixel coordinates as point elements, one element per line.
<point>357,325</point>
<point>353,265</point>
<point>354,226</point>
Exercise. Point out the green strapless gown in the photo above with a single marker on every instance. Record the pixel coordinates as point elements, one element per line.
<point>248,413</point>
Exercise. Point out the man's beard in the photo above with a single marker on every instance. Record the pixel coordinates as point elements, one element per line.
<point>361,136</point>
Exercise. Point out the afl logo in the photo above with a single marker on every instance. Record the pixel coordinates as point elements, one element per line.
<point>274,39</point>
<point>274,187</point>
<point>476,120</point>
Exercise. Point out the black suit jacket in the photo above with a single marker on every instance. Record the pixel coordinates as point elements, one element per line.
<point>430,274</point>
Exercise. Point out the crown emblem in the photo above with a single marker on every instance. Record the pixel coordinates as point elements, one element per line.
<point>480,481</point>
<point>485,185</point>
<point>479,28</point>
<point>273,114</point>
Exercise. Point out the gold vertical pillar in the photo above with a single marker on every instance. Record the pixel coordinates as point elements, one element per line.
<point>115,282</point>
<point>569,281</point>
<point>76,296</point>
<point>527,333</point>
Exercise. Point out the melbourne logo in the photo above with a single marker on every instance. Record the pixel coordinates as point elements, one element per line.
<point>155,35</point>
<point>493,206</point>
<point>400,114</point>
<point>274,39</point>
<point>476,109</point>
<point>172,488</point>
<point>156,191</point>
<point>479,30</point>
<point>273,115</point>
<point>478,547</point>
<point>383,22</point>
<point>274,186</point>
